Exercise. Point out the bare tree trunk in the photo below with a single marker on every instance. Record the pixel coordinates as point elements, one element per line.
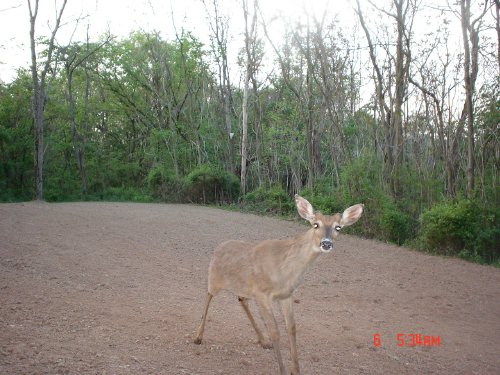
<point>76,137</point>
<point>249,38</point>
<point>381,103</point>
<point>310,133</point>
<point>497,28</point>
<point>227,116</point>
<point>219,28</point>
<point>470,35</point>
<point>401,83</point>
<point>303,100</point>
<point>71,62</point>
<point>259,138</point>
<point>448,141</point>
<point>469,107</point>
<point>391,104</point>
<point>244,137</point>
<point>37,107</point>
<point>39,94</point>
<point>85,124</point>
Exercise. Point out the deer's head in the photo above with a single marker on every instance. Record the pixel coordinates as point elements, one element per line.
<point>325,228</point>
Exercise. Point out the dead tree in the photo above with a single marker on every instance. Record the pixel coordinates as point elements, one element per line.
<point>391,86</point>
<point>39,90</point>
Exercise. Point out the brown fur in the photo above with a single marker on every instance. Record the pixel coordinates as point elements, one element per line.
<point>271,270</point>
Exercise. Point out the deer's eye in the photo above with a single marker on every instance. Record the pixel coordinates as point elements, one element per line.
<point>316,225</point>
<point>338,228</point>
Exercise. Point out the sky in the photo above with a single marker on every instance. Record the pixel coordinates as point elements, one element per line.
<point>120,17</point>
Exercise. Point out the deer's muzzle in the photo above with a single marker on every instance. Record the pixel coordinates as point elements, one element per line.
<point>326,244</point>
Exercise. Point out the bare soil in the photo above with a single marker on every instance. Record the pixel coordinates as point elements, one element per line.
<point>118,288</point>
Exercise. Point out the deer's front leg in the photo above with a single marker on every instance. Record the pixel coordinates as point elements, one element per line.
<point>201,329</point>
<point>287,307</point>
<point>266,310</point>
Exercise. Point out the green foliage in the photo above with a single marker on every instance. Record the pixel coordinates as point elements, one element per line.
<point>126,194</point>
<point>150,124</point>
<point>327,204</point>
<point>395,225</point>
<point>165,185</point>
<point>16,140</point>
<point>383,218</point>
<point>360,180</point>
<point>210,184</point>
<point>465,228</point>
<point>273,200</point>
<point>447,227</point>
<point>322,197</point>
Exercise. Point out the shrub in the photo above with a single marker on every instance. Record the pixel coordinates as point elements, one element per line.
<point>273,200</point>
<point>126,194</point>
<point>210,184</point>
<point>395,225</point>
<point>464,228</point>
<point>383,218</point>
<point>447,227</point>
<point>487,244</point>
<point>165,185</point>
<point>322,197</point>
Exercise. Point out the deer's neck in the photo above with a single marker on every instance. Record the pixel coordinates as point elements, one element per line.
<point>301,253</point>
<point>303,248</point>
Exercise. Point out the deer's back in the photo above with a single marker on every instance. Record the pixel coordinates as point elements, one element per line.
<point>247,269</point>
<point>231,268</point>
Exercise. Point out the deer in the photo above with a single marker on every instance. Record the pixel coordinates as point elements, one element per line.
<point>271,270</point>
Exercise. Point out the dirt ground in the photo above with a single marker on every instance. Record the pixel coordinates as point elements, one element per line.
<point>118,288</point>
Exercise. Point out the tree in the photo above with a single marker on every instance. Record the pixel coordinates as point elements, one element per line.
<point>219,38</point>
<point>297,77</point>
<point>497,29</point>
<point>391,85</point>
<point>39,90</point>
<point>74,57</point>
<point>431,77</point>
<point>470,39</point>
<point>16,139</point>
<point>250,39</point>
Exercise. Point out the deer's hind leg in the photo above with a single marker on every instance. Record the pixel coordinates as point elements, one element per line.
<point>262,341</point>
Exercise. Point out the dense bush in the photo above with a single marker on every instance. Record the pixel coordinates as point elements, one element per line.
<point>210,184</point>
<point>125,194</point>
<point>273,200</point>
<point>323,198</point>
<point>464,228</point>
<point>165,185</point>
<point>383,218</point>
<point>395,224</point>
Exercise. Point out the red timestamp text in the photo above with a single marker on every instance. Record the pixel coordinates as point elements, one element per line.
<point>411,340</point>
<point>418,339</point>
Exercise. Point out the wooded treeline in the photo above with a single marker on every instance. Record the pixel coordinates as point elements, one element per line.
<point>408,126</point>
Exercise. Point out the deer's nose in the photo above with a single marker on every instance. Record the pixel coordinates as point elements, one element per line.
<point>326,244</point>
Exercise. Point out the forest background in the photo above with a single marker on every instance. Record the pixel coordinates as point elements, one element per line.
<point>399,111</point>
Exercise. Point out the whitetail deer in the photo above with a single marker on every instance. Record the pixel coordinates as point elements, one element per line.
<point>271,270</point>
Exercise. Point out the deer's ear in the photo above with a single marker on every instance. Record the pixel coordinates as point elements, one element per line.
<point>352,214</point>
<point>304,208</point>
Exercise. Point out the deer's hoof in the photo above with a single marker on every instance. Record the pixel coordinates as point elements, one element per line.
<point>266,345</point>
<point>197,341</point>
